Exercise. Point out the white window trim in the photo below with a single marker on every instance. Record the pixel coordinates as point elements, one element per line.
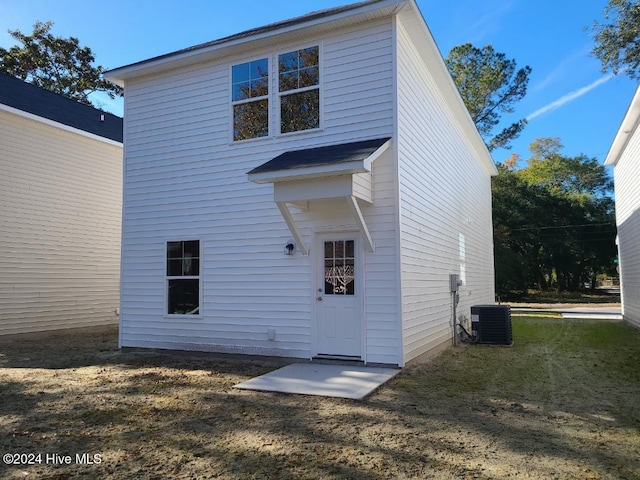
<point>318,87</point>
<point>274,94</point>
<point>267,97</point>
<point>165,306</point>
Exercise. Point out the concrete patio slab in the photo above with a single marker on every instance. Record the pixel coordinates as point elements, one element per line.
<point>324,380</point>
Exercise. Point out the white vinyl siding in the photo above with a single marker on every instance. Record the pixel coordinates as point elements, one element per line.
<point>60,204</point>
<point>445,196</point>
<point>627,190</point>
<point>184,178</point>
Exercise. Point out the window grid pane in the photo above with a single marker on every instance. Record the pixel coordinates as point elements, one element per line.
<point>339,269</point>
<point>183,297</point>
<point>298,69</point>
<point>251,120</point>
<point>250,80</point>
<point>300,111</point>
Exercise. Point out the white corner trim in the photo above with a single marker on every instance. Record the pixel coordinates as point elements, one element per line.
<point>61,126</point>
<point>627,127</point>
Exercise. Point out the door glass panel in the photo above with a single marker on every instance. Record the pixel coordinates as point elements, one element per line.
<point>339,269</point>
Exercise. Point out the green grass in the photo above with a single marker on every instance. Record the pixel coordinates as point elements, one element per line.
<point>553,363</point>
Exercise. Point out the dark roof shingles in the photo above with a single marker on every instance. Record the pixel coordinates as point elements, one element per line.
<point>328,155</point>
<point>259,30</point>
<point>29,98</point>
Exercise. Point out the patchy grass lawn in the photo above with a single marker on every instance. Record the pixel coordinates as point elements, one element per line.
<point>561,403</point>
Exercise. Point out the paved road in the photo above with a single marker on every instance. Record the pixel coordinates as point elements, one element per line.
<point>607,312</point>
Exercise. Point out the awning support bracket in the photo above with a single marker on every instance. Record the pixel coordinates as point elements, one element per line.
<point>291,223</point>
<point>362,226</point>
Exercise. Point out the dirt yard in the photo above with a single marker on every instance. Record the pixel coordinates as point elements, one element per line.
<point>561,403</point>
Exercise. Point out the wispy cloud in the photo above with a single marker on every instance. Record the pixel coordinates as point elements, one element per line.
<point>563,68</point>
<point>487,22</point>
<point>569,97</point>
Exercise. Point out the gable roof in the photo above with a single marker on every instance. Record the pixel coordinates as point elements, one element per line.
<point>318,21</point>
<point>625,131</point>
<point>335,159</point>
<point>272,27</point>
<point>23,96</point>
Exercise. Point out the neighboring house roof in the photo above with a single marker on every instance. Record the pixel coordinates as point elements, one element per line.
<point>320,156</point>
<point>625,131</point>
<point>20,95</point>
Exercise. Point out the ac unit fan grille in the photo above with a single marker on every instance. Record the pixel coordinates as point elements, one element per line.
<point>492,324</point>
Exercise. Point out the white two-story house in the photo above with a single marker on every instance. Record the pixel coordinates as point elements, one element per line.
<point>303,189</point>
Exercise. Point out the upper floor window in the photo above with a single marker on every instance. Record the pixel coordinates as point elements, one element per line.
<point>295,88</point>
<point>299,89</point>
<point>250,99</point>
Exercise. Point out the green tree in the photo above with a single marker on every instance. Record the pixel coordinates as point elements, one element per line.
<point>578,175</point>
<point>618,38</point>
<point>489,84</point>
<point>57,64</point>
<point>554,224</point>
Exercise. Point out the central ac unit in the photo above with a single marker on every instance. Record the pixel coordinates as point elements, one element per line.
<point>491,324</point>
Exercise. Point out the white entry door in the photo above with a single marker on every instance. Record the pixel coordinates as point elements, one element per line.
<point>338,297</point>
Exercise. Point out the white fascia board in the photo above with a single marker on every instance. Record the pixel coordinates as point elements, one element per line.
<point>308,172</point>
<point>374,156</point>
<point>195,55</point>
<point>61,126</point>
<point>627,128</point>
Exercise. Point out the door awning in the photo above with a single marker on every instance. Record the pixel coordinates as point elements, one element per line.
<point>341,171</point>
<point>344,158</point>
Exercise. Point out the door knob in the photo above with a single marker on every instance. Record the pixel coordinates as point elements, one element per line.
<point>319,299</point>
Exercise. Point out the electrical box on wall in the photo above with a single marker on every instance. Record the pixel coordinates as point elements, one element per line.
<point>454,280</point>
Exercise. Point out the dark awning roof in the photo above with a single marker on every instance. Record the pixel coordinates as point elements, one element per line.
<point>329,160</point>
<point>32,99</point>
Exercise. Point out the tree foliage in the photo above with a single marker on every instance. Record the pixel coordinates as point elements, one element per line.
<point>57,64</point>
<point>618,38</point>
<point>554,224</point>
<point>490,84</point>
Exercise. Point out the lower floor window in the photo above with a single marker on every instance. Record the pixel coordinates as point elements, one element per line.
<point>183,277</point>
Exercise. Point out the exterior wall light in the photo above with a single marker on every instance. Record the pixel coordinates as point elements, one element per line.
<point>289,249</point>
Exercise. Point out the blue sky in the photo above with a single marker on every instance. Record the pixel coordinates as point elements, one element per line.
<point>568,96</point>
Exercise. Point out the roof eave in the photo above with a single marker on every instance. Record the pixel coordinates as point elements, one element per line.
<point>627,127</point>
<point>213,50</point>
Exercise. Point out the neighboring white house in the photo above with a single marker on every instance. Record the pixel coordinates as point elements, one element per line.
<point>303,189</point>
<point>60,211</point>
<point>624,156</point>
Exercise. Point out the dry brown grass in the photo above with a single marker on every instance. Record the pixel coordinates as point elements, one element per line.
<point>561,403</point>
